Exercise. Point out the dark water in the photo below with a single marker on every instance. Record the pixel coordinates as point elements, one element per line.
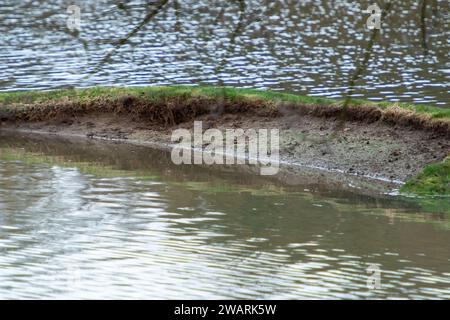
<point>313,47</point>
<point>95,220</point>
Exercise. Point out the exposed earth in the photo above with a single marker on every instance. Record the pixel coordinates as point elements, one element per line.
<point>390,154</point>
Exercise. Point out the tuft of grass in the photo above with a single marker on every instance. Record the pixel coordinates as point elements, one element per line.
<point>433,112</point>
<point>433,180</point>
<point>155,94</point>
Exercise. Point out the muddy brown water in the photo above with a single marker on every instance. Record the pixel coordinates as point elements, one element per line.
<point>306,47</point>
<point>87,219</point>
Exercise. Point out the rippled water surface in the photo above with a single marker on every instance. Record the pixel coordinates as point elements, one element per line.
<point>95,220</point>
<point>313,47</point>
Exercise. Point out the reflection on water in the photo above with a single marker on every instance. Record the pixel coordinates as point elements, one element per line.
<point>310,47</point>
<point>95,220</point>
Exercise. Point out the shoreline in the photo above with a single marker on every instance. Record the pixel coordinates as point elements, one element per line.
<point>290,173</point>
<point>312,132</point>
<point>32,144</point>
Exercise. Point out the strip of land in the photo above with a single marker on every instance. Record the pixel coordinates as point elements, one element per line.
<point>393,142</point>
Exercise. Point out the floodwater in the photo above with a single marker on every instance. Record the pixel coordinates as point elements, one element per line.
<point>85,219</point>
<point>82,219</point>
<point>313,47</point>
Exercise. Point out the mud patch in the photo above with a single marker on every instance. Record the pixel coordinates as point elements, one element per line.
<point>376,150</point>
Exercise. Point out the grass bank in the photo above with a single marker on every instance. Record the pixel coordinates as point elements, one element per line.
<point>175,104</point>
<point>168,106</point>
<point>433,180</point>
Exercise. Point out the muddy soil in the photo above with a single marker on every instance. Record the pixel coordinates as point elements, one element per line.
<point>376,150</point>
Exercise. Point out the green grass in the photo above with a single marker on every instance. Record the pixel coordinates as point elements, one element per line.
<point>154,93</point>
<point>161,93</point>
<point>433,180</point>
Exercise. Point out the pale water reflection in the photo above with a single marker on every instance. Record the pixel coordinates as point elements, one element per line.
<point>98,220</point>
<point>308,47</point>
